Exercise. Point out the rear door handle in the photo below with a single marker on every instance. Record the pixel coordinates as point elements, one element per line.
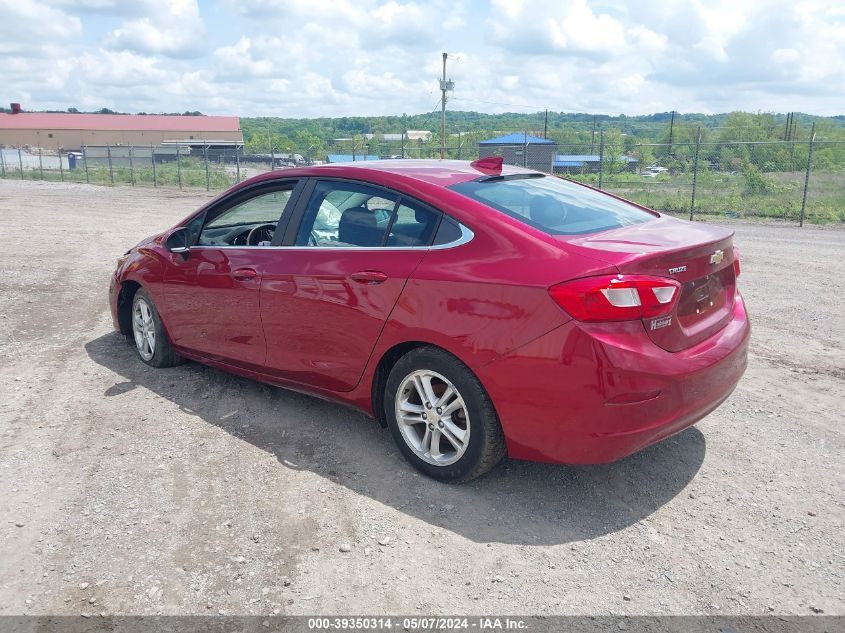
<point>370,277</point>
<point>244,274</point>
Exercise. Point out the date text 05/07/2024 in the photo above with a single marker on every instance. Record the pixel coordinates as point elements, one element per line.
<point>417,623</point>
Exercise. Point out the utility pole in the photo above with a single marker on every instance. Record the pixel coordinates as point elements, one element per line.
<point>671,131</point>
<point>546,125</point>
<point>593,136</point>
<point>444,86</point>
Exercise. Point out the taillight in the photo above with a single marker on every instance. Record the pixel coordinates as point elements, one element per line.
<point>736,262</point>
<point>616,297</point>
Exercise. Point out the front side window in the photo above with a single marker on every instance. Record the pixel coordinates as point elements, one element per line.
<point>553,205</point>
<point>249,223</point>
<point>345,214</point>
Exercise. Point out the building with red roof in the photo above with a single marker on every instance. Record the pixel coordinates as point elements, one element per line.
<point>66,131</point>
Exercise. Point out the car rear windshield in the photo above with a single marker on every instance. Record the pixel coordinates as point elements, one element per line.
<point>553,205</point>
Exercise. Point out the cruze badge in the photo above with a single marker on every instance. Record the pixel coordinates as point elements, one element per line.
<point>717,257</point>
<point>677,269</point>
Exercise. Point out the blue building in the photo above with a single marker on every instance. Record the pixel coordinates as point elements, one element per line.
<point>587,163</point>
<point>348,158</point>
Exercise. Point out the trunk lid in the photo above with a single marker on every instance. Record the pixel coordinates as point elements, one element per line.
<point>698,256</point>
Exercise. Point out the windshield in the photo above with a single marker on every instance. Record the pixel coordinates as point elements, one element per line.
<point>553,205</point>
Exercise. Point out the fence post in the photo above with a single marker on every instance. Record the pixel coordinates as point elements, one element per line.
<point>525,149</point>
<point>695,173</point>
<point>179,165</point>
<point>131,168</point>
<point>807,174</point>
<point>61,167</point>
<point>403,145</point>
<point>20,162</point>
<point>85,162</point>
<point>40,163</point>
<point>238,164</point>
<point>153,159</point>
<point>111,169</point>
<point>3,161</point>
<point>205,154</point>
<point>460,145</point>
<point>601,157</point>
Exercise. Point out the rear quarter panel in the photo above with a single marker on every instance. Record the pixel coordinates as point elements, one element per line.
<point>483,299</point>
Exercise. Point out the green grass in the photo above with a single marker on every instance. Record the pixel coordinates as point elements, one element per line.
<point>775,195</point>
<point>190,172</point>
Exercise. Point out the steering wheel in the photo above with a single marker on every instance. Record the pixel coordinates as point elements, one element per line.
<point>257,232</point>
<point>313,239</point>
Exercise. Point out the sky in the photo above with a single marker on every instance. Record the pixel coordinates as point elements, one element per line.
<point>310,58</point>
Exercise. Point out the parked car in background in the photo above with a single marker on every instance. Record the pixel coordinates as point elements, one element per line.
<point>476,310</point>
<point>654,171</point>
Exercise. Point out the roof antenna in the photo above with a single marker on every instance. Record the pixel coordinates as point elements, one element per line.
<point>489,164</point>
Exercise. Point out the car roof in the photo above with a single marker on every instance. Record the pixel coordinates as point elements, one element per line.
<point>443,173</point>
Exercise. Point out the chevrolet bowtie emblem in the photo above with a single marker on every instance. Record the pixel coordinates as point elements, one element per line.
<point>717,257</point>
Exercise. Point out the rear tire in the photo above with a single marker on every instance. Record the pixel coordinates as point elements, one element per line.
<point>148,333</point>
<point>441,418</point>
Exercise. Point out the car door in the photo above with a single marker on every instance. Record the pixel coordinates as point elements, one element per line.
<point>212,292</point>
<point>326,297</point>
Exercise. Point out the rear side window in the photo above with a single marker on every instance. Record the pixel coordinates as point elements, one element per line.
<point>554,205</point>
<point>414,225</point>
<point>345,214</point>
<point>448,232</point>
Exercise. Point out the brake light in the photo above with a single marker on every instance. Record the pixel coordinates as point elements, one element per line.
<point>617,297</point>
<point>736,262</point>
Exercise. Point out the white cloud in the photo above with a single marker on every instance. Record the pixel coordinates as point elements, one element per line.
<point>170,27</point>
<point>361,57</point>
<point>27,27</point>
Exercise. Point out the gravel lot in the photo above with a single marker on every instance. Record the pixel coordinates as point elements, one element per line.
<point>129,490</point>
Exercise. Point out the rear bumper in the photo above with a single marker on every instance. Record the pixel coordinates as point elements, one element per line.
<point>595,393</point>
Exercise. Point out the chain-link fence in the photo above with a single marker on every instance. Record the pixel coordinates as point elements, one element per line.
<point>796,180</point>
<point>789,180</point>
<point>184,166</point>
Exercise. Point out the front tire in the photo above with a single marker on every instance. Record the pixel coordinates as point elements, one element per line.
<point>441,418</point>
<point>148,333</point>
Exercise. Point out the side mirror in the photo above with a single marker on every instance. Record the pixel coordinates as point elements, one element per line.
<point>177,241</point>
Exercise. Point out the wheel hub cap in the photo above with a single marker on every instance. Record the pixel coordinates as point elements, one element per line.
<point>143,329</point>
<point>432,417</point>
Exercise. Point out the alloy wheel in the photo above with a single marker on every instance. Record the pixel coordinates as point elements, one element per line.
<point>143,327</point>
<point>432,417</point>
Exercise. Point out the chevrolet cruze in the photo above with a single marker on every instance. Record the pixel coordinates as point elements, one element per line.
<point>477,311</point>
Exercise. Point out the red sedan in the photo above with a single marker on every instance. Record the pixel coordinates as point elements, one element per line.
<point>476,310</point>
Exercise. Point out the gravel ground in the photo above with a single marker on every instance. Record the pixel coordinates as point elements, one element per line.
<point>129,490</point>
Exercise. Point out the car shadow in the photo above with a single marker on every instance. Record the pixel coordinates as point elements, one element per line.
<point>518,502</point>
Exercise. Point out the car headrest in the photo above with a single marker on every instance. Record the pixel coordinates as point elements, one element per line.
<point>359,226</point>
<point>547,211</point>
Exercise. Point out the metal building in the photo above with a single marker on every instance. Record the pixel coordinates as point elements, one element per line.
<point>70,132</point>
<point>521,149</point>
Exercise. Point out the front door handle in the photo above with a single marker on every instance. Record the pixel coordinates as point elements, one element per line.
<point>369,277</point>
<point>244,274</point>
